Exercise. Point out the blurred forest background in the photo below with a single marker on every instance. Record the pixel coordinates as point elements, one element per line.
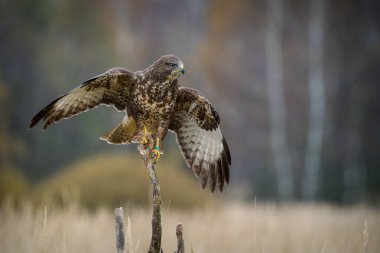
<point>296,84</point>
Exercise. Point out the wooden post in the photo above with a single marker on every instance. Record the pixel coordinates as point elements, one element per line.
<point>119,228</point>
<point>155,243</point>
<point>180,241</point>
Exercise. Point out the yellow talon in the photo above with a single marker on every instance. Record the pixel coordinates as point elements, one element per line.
<point>156,154</point>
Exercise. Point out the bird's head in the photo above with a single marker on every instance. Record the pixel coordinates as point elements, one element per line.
<point>168,67</point>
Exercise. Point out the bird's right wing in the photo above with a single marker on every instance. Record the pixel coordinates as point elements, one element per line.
<point>111,88</point>
<point>196,124</point>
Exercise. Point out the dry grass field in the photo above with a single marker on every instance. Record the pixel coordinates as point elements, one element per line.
<point>233,227</point>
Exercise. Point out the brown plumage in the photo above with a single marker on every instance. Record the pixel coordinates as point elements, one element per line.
<point>153,99</point>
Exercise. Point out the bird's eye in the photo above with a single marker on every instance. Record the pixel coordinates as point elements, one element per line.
<point>172,65</point>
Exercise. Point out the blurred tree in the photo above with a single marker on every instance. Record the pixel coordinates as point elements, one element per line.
<point>311,173</point>
<point>277,108</point>
<point>352,56</point>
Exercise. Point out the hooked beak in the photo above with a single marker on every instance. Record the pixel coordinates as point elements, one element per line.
<point>181,69</point>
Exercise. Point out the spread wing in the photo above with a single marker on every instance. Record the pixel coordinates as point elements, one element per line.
<point>110,88</point>
<point>203,146</point>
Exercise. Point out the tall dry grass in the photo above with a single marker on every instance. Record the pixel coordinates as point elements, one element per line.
<point>229,227</point>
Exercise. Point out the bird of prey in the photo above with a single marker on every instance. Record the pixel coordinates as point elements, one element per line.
<point>154,104</point>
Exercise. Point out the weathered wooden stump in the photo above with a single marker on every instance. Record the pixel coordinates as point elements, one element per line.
<point>155,243</point>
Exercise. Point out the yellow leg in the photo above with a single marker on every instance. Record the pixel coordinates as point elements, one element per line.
<point>144,139</point>
<point>156,151</point>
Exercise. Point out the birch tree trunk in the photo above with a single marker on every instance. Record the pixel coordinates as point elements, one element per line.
<point>317,101</point>
<point>276,99</point>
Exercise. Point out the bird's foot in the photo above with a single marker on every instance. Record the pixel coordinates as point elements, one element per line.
<point>156,154</point>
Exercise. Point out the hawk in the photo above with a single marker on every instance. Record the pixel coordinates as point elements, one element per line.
<point>154,104</point>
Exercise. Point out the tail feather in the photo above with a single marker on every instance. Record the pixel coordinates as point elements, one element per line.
<point>122,134</point>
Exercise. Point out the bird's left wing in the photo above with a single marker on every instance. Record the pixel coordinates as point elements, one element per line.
<point>110,88</point>
<point>203,146</point>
